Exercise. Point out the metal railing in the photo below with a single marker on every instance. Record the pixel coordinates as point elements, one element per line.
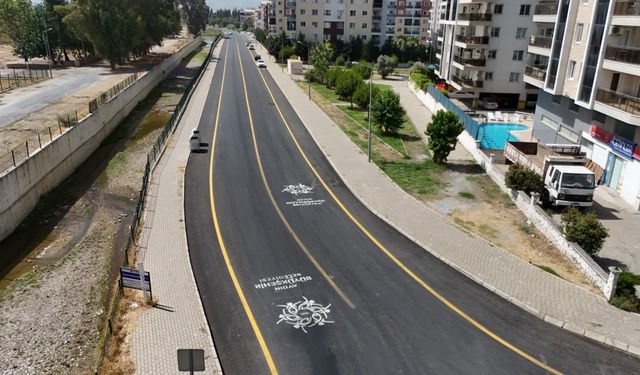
<point>486,17</point>
<point>112,92</point>
<point>474,39</point>
<point>15,79</point>
<point>629,55</point>
<point>546,9</point>
<point>539,73</point>
<point>626,8</point>
<point>540,41</point>
<point>619,101</point>
<point>467,82</point>
<point>470,61</point>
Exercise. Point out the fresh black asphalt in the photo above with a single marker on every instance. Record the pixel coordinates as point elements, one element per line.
<point>396,327</point>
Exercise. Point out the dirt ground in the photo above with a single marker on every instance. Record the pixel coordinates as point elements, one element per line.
<point>55,294</point>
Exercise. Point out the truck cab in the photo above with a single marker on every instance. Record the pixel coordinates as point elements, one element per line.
<point>568,185</point>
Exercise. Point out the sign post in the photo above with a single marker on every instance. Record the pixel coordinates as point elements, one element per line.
<point>136,279</point>
<point>142,283</point>
<point>191,360</point>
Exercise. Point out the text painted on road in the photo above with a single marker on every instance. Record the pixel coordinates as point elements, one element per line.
<point>304,314</point>
<point>305,202</point>
<point>299,189</point>
<point>282,282</point>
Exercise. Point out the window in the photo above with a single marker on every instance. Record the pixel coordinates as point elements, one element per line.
<point>364,25</point>
<point>327,25</point>
<point>521,32</point>
<point>579,29</point>
<point>302,11</point>
<point>571,69</point>
<point>584,2</point>
<point>314,24</point>
<point>556,99</point>
<point>314,12</point>
<point>352,25</point>
<point>364,12</point>
<point>340,25</point>
<point>488,76</point>
<point>497,9</point>
<point>525,9</point>
<point>514,77</point>
<point>517,55</point>
<point>491,54</point>
<point>495,31</point>
<point>327,12</point>
<point>549,122</point>
<point>352,13</point>
<point>303,24</point>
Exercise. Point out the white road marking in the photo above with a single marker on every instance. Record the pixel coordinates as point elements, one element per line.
<point>304,314</point>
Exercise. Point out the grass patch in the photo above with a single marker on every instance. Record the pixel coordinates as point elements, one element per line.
<point>467,195</point>
<point>415,178</point>
<point>211,32</point>
<point>547,269</point>
<point>326,93</point>
<point>490,190</point>
<point>488,231</point>
<point>360,116</point>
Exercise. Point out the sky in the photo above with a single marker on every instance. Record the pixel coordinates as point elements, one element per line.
<point>230,4</point>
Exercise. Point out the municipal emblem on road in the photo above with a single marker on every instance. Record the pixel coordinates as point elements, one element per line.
<point>304,314</point>
<point>297,189</point>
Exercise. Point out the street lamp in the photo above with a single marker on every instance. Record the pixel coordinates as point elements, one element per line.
<point>369,115</point>
<point>46,45</point>
<point>309,72</point>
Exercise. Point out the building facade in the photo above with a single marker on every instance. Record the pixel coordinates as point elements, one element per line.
<point>584,56</point>
<point>481,48</point>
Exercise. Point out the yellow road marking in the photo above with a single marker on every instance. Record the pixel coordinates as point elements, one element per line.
<point>304,248</point>
<point>399,263</point>
<point>223,249</point>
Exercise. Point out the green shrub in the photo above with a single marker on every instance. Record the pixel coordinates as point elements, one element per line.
<point>419,67</point>
<point>361,96</point>
<point>332,76</point>
<point>340,60</point>
<point>584,229</point>
<point>443,131</point>
<point>347,83</point>
<point>444,92</point>
<point>385,65</point>
<point>387,112</point>
<point>363,68</point>
<point>625,297</point>
<point>519,177</point>
<point>421,80</point>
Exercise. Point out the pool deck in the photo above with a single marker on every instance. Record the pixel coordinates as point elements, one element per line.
<point>525,119</point>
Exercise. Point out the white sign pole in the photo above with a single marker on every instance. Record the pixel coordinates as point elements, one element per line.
<point>142,284</point>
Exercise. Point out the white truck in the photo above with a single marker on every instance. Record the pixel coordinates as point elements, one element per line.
<point>567,182</point>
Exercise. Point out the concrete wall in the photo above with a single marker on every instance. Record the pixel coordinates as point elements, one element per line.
<point>22,187</point>
<point>532,211</point>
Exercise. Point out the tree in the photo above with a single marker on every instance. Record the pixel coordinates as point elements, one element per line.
<point>370,51</point>
<point>340,60</point>
<point>521,178</point>
<point>584,229</point>
<point>24,25</point>
<point>321,55</point>
<point>387,112</point>
<point>361,96</point>
<point>385,65</point>
<point>443,131</point>
<point>301,47</point>
<point>347,83</point>
<point>195,13</point>
<point>363,68</point>
<point>332,77</point>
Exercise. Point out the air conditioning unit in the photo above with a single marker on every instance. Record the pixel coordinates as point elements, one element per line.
<point>614,30</point>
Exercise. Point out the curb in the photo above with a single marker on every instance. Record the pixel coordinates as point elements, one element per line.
<point>547,318</point>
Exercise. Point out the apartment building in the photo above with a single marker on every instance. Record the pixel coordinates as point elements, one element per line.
<point>265,16</point>
<point>584,56</point>
<point>481,48</point>
<point>348,19</point>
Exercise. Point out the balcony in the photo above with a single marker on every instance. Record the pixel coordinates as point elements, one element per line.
<point>377,18</point>
<point>474,40</point>
<point>479,62</point>
<point>536,72</point>
<point>623,102</point>
<point>291,4</point>
<point>627,55</point>
<point>626,8</point>
<point>467,82</point>
<point>540,41</point>
<point>484,17</point>
<point>440,33</point>
<point>546,9</point>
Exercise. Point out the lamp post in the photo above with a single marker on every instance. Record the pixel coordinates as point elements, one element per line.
<point>308,64</point>
<point>369,116</point>
<point>46,45</point>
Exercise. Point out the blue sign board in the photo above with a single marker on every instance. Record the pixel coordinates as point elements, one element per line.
<point>131,279</point>
<point>622,146</point>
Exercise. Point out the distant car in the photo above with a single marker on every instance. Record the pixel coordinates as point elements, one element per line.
<point>261,64</point>
<point>248,44</point>
<point>252,47</point>
<point>489,103</point>
<point>257,57</point>
<point>194,140</point>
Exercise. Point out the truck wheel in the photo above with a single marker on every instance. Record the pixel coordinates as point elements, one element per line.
<point>544,198</point>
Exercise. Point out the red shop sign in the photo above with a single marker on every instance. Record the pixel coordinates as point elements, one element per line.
<point>636,152</point>
<point>600,134</point>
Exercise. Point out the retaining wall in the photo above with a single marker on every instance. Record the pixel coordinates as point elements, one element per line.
<point>22,187</point>
<point>537,216</point>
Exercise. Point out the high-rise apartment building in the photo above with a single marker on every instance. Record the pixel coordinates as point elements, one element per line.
<point>481,48</point>
<point>584,55</point>
<point>412,19</point>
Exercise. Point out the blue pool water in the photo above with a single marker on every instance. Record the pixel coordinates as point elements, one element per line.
<point>494,135</point>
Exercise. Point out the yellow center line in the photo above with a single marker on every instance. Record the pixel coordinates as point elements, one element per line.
<point>395,260</point>
<point>263,175</point>
<point>223,248</point>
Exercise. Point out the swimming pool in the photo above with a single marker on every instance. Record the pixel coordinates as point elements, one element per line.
<point>494,135</point>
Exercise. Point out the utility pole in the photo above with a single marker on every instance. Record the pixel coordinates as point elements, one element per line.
<point>46,45</point>
<point>308,64</point>
<point>369,116</point>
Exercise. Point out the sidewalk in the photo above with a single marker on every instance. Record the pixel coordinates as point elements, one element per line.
<point>179,322</point>
<point>542,294</point>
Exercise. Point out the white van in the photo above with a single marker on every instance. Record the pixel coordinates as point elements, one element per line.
<point>194,140</point>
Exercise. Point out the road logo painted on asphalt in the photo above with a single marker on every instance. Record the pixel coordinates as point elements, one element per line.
<point>304,314</point>
<point>282,282</point>
<point>299,189</point>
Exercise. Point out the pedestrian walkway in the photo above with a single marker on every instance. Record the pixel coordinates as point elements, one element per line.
<point>542,294</point>
<point>178,322</point>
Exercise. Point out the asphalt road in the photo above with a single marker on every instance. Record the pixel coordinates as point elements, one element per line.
<point>351,295</point>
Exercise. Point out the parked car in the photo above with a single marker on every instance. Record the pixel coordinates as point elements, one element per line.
<point>257,57</point>
<point>489,103</point>
<point>261,64</point>
<point>252,47</point>
<point>194,140</point>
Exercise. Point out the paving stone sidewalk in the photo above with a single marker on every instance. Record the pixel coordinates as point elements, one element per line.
<point>546,296</point>
<point>180,322</point>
